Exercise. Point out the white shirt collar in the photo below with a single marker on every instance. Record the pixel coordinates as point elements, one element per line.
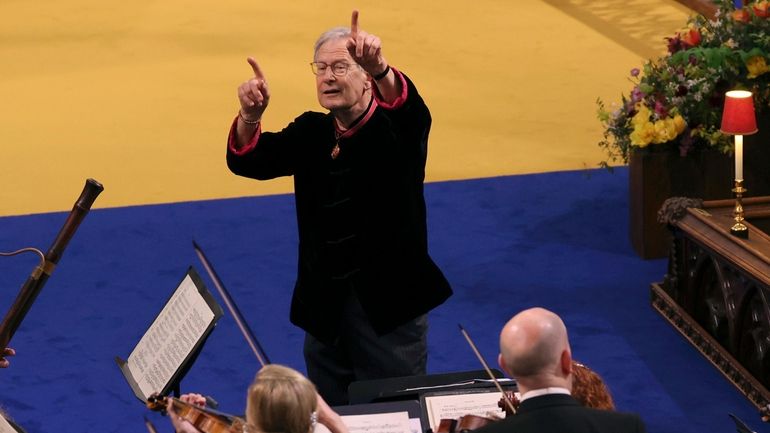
<point>544,391</point>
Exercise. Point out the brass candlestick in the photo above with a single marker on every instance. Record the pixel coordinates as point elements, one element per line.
<point>739,229</point>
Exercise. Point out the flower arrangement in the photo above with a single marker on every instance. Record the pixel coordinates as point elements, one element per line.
<point>677,99</point>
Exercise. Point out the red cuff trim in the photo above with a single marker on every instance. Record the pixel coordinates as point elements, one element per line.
<point>399,101</point>
<point>248,147</point>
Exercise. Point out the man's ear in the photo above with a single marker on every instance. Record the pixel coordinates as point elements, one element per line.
<point>501,363</point>
<point>566,362</point>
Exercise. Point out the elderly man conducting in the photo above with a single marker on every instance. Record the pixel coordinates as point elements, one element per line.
<point>365,281</point>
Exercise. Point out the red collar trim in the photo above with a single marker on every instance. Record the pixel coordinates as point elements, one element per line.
<point>347,133</point>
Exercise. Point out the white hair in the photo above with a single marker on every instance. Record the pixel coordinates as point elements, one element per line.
<point>331,34</point>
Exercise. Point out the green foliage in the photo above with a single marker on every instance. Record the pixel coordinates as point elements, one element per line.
<point>687,85</point>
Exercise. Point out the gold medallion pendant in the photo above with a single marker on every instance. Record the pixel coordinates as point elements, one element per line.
<point>336,151</point>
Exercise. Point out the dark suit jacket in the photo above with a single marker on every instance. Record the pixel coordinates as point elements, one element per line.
<point>560,413</point>
<point>361,216</point>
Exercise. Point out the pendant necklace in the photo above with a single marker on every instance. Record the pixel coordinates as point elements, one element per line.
<point>339,133</point>
<point>336,148</point>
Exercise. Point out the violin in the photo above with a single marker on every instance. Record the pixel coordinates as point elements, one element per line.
<point>470,422</point>
<point>203,419</point>
<point>207,420</point>
<point>464,424</point>
<point>509,396</point>
<point>467,423</point>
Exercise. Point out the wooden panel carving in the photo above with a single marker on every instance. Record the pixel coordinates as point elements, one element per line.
<point>716,292</point>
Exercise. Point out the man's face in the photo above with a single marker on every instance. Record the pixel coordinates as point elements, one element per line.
<point>340,92</point>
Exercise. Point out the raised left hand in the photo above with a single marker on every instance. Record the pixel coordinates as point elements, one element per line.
<point>365,48</point>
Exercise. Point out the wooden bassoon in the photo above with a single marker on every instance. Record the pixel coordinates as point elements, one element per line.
<point>40,273</point>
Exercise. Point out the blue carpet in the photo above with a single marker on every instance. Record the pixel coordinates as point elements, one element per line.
<point>558,240</point>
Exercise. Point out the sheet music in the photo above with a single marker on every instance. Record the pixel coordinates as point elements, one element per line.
<point>170,338</point>
<point>393,422</point>
<point>453,406</point>
<point>5,426</point>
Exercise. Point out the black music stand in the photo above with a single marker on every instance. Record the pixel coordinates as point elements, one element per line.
<point>172,384</point>
<point>410,387</point>
<point>412,390</point>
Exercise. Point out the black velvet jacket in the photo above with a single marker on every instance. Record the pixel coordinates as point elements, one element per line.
<point>361,216</point>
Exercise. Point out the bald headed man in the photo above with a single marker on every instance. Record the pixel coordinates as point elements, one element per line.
<point>534,349</point>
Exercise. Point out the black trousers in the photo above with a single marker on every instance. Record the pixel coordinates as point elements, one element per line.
<point>361,354</point>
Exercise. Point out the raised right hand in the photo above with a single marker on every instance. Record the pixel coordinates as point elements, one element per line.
<point>365,48</point>
<point>254,93</point>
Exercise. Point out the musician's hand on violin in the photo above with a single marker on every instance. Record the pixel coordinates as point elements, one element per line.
<point>329,418</point>
<point>4,363</point>
<point>194,398</point>
<point>180,424</point>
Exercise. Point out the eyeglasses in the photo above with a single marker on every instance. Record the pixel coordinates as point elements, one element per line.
<point>339,69</point>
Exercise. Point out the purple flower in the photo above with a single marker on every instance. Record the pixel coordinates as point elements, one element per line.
<point>630,108</point>
<point>660,110</point>
<point>635,72</point>
<point>675,44</point>
<point>636,95</point>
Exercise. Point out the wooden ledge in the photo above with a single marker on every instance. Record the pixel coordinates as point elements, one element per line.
<point>703,7</point>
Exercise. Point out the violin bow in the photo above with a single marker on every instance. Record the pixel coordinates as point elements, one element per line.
<point>242,325</point>
<point>150,426</point>
<point>486,367</point>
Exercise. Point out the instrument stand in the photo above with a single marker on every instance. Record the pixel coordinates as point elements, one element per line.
<point>200,302</point>
<point>175,384</point>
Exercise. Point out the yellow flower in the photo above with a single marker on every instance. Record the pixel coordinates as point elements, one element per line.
<point>642,134</point>
<point>756,66</point>
<point>679,124</point>
<point>665,130</point>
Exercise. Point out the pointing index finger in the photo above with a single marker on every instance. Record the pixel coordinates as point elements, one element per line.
<point>354,24</point>
<point>255,67</point>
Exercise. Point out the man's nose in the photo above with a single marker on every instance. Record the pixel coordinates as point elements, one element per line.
<point>329,74</point>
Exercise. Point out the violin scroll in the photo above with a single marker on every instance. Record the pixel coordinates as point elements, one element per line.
<point>505,406</point>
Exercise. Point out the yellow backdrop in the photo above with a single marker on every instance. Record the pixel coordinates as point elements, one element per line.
<point>139,95</point>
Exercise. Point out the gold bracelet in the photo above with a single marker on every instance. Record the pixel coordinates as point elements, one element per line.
<point>247,121</point>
